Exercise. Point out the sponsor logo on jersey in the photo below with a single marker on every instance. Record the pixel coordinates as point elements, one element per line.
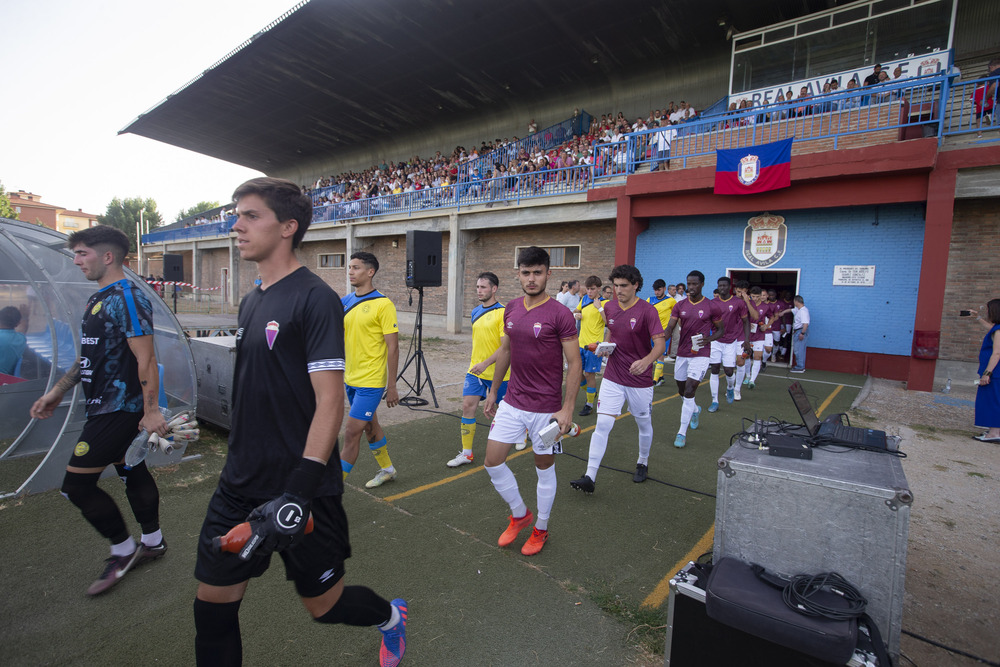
<point>611,321</point>
<point>326,575</point>
<point>84,362</point>
<point>368,414</point>
<point>88,340</point>
<point>510,325</point>
<point>271,332</point>
<point>94,401</point>
<point>81,448</point>
<point>96,309</point>
<point>538,328</point>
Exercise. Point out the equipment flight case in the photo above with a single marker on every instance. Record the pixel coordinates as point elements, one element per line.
<point>214,361</point>
<point>695,640</point>
<point>845,511</point>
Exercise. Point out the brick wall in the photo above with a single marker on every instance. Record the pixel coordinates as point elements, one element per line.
<point>972,276</point>
<point>494,250</point>
<point>875,319</point>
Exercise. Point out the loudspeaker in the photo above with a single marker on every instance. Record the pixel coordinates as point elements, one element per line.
<point>173,268</point>
<point>423,259</point>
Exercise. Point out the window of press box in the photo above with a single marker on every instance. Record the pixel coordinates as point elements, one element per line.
<point>331,261</point>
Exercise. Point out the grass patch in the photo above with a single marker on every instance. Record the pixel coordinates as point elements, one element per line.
<point>977,474</point>
<point>924,428</point>
<point>647,625</point>
<point>939,467</point>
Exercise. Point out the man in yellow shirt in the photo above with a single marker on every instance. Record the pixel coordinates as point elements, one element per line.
<point>664,304</point>
<point>590,314</point>
<point>371,334</point>
<point>487,330</point>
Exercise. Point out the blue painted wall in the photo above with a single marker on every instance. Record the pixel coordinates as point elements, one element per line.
<point>875,319</point>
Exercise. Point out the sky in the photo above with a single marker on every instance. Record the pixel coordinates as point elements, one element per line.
<point>78,72</point>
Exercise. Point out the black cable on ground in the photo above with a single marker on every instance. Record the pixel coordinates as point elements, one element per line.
<point>651,479</point>
<point>950,649</point>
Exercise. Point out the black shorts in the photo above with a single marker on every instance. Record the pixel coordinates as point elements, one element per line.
<point>315,563</point>
<point>105,438</point>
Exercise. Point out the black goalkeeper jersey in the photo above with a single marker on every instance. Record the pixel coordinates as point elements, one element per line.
<point>108,369</point>
<point>293,328</point>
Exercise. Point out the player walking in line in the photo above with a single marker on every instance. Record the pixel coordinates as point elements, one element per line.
<point>664,304</point>
<point>539,334</point>
<point>741,289</point>
<point>288,404</point>
<point>121,383</point>
<point>760,312</point>
<point>639,340</point>
<point>372,335</point>
<point>590,314</point>
<point>729,347</point>
<point>487,330</point>
<point>700,320</point>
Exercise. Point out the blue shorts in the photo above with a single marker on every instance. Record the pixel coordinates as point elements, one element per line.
<point>476,386</point>
<point>591,362</point>
<point>364,401</point>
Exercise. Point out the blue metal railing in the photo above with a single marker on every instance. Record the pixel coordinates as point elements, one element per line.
<point>931,105</point>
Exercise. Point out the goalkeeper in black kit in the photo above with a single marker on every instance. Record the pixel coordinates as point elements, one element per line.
<point>283,462</point>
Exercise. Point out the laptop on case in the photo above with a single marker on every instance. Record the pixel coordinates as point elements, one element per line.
<point>834,432</point>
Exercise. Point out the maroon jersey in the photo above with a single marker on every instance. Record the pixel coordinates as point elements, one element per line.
<point>631,331</point>
<point>776,307</point>
<point>536,357</point>
<point>733,312</point>
<point>757,324</point>
<point>696,318</point>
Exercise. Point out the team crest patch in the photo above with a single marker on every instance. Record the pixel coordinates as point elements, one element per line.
<point>271,331</point>
<point>749,170</point>
<point>632,323</point>
<point>701,313</point>
<point>764,239</point>
<point>538,328</point>
<point>96,309</point>
<point>81,448</point>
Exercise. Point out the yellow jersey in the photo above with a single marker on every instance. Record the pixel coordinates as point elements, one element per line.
<point>487,330</point>
<point>591,321</point>
<point>367,320</point>
<point>664,307</point>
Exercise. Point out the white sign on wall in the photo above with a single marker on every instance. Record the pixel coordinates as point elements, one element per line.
<point>854,276</point>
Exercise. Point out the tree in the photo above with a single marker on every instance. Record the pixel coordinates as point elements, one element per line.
<point>197,208</point>
<point>124,214</point>
<point>6,209</point>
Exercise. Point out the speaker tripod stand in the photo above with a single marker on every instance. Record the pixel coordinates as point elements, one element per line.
<point>416,357</point>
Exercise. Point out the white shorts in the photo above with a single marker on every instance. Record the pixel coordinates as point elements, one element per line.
<point>758,345</point>
<point>768,340</point>
<point>690,368</point>
<point>510,423</point>
<point>613,396</point>
<point>724,353</point>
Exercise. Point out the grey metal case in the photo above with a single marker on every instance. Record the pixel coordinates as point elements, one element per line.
<point>214,359</point>
<point>845,511</point>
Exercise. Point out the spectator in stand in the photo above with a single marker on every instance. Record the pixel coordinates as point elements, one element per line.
<point>898,72</point>
<point>873,78</point>
<point>683,113</point>
<point>661,146</point>
<point>803,107</point>
<point>984,97</point>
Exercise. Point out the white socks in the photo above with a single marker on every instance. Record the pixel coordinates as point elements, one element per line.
<point>506,485</point>
<point>688,408</point>
<point>546,495</point>
<point>599,444</point>
<point>755,369</point>
<point>645,425</point>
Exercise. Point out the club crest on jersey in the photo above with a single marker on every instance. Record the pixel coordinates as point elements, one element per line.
<point>96,309</point>
<point>271,332</point>
<point>701,313</point>
<point>632,323</point>
<point>537,328</point>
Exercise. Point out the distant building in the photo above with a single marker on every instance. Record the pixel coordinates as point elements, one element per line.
<point>31,209</point>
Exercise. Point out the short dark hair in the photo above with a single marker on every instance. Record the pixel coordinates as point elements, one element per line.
<point>724,279</point>
<point>572,283</point>
<point>629,273</point>
<point>699,275</point>
<point>681,286</point>
<point>592,281</point>
<point>755,290</point>
<point>659,283</point>
<point>532,256</point>
<point>283,197</point>
<point>487,275</point>
<point>102,237</point>
<point>10,317</point>
<point>367,259</point>
<point>742,284</point>
<point>993,311</point>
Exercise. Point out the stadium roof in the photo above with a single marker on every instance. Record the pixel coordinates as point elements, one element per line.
<point>336,74</point>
